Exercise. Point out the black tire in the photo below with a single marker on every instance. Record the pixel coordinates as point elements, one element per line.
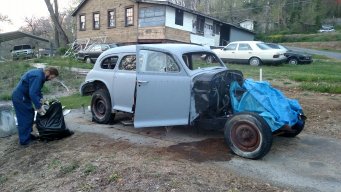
<point>293,61</point>
<point>297,129</point>
<point>101,107</point>
<point>248,135</point>
<point>255,61</point>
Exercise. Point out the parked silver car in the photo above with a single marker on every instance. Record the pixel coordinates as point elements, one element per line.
<point>170,85</point>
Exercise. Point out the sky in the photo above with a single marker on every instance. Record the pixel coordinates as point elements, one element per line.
<point>17,10</point>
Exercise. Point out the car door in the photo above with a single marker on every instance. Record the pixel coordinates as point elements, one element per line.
<point>95,52</point>
<point>245,52</point>
<point>162,91</point>
<point>228,53</point>
<point>124,83</point>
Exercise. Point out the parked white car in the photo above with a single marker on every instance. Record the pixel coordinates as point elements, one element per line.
<point>250,52</point>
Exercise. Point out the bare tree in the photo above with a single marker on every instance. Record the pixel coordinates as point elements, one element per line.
<point>54,14</point>
<point>4,18</point>
<point>38,26</point>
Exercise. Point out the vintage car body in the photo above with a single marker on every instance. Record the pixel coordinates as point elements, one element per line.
<point>170,85</point>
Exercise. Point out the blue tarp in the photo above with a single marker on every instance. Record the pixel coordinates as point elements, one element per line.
<point>259,97</point>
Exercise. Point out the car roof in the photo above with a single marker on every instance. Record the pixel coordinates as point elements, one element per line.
<point>170,47</point>
<point>247,42</point>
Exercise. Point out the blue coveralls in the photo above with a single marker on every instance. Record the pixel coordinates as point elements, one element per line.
<point>28,91</point>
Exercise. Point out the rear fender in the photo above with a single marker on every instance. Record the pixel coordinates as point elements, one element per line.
<point>89,87</point>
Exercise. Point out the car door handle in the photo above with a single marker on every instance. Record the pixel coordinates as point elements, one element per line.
<point>142,82</point>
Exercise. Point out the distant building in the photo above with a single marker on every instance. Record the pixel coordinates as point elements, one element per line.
<point>157,21</point>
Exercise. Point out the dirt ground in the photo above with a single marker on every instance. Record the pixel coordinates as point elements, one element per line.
<point>96,162</point>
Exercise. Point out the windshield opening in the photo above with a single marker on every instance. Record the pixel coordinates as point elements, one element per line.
<point>263,46</point>
<point>200,60</point>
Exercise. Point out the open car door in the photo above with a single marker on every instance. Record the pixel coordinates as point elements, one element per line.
<point>162,91</point>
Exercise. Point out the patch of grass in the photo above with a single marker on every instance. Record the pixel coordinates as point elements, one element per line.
<point>3,179</point>
<point>54,164</point>
<point>320,76</point>
<point>6,96</point>
<point>313,37</point>
<point>89,168</point>
<point>63,62</point>
<point>75,101</point>
<point>86,187</point>
<point>114,177</point>
<point>69,168</point>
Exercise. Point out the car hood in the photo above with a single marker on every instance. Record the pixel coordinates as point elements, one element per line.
<point>298,53</point>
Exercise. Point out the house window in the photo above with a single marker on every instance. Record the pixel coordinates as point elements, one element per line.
<point>111,18</point>
<point>96,21</point>
<point>82,22</point>
<point>200,25</point>
<point>179,17</point>
<point>129,16</point>
<point>216,28</point>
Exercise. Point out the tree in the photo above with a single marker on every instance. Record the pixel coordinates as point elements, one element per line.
<point>38,26</point>
<point>5,19</point>
<point>59,31</point>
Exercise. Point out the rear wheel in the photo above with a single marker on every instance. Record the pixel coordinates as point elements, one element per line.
<point>248,135</point>
<point>101,107</point>
<point>254,61</point>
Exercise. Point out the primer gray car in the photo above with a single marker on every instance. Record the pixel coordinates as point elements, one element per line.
<point>162,82</point>
<point>170,85</point>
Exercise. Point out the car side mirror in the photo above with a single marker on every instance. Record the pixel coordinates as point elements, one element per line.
<point>105,48</point>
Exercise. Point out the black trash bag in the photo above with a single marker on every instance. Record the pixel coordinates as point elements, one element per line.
<point>51,126</point>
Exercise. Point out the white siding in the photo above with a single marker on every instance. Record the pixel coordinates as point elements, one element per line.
<point>198,39</point>
<point>170,20</point>
<point>239,35</point>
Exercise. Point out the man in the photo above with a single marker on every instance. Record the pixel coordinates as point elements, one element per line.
<point>28,91</point>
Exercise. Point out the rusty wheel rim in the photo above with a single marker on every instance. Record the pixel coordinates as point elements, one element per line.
<point>245,136</point>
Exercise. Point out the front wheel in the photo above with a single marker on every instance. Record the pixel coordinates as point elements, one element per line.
<point>88,60</point>
<point>254,61</point>
<point>297,128</point>
<point>101,107</point>
<point>209,59</point>
<point>293,61</point>
<point>248,135</point>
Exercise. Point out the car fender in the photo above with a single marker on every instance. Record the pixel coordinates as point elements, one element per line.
<point>90,86</point>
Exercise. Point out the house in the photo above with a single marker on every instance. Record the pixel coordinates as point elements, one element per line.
<point>247,24</point>
<point>157,21</point>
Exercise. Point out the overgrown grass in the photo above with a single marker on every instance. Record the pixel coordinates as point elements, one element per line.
<point>75,101</point>
<point>320,76</point>
<point>315,37</point>
<point>11,72</point>
<point>63,62</point>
